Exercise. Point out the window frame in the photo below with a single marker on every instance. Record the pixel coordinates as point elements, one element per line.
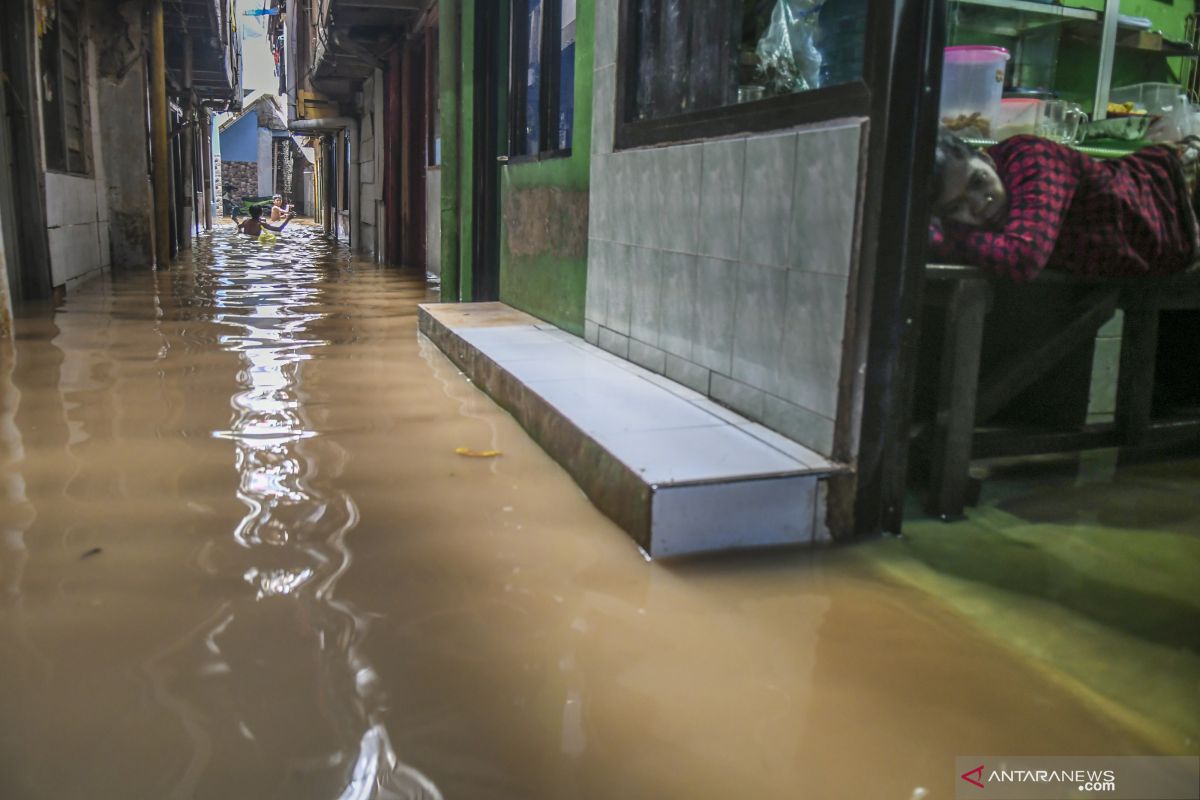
<point>55,113</point>
<point>548,84</point>
<point>852,99</point>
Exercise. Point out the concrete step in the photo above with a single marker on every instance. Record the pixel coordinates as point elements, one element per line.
<point>680,473</point>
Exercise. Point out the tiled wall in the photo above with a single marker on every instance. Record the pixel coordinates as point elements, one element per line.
<point>725,264</point>
<point>1106,361</point>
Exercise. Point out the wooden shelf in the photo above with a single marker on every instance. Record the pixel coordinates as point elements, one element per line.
<point>1015,17</point>
<point>1037,9</point>
<point>1127,39</point>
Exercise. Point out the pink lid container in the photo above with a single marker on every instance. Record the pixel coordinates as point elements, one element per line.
<point>975,54</point>
<point>972,84</point>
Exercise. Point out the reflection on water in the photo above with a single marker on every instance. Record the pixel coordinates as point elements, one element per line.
<point>296,519</point>
<point>239,558</point>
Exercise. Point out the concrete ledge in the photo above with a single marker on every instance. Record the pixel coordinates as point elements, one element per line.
<point>678,472</point>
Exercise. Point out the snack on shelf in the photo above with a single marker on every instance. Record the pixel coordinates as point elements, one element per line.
<point>969,125</point>
<point>1129,108</point>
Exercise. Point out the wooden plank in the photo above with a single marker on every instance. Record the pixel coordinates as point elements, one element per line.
<point>1003,385</point>
<point>1007,442</point>
<point>1135,381</point>
<point>958,382</point>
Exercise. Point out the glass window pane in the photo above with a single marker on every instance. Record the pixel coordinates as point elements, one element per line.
<point>700,54</point>
<point>566,83</point>
<point>530,139</point>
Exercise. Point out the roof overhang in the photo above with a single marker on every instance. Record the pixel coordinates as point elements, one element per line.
<point>216,52</point>
<point>359,35</point>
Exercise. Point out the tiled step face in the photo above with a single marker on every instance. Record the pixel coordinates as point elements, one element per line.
<point>680,473</point>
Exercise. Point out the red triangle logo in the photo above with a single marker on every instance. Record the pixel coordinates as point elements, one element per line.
<point>977,780</point>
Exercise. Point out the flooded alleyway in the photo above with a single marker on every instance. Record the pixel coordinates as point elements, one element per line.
<point>240,558</point>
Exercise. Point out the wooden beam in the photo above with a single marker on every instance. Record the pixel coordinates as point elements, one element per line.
<point>958,382</point>
<point>160,167</point>
<point>1135,380</point>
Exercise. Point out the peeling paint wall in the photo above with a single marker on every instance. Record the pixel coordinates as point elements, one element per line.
<point>121,91</point>
<point>369,148</point>
<point>266,173</point>
<point>544,212</point>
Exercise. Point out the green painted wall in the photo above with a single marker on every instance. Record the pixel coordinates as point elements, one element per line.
<point>543,226</point>
<point>544,211</point>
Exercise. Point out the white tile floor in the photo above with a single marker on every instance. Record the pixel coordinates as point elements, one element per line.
<point>719,480</point>
<point>665,432</point>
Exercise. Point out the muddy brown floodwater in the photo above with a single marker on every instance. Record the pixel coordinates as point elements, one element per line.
<point>240,558</point>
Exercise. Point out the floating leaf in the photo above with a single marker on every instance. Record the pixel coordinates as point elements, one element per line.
<point>469,453</point>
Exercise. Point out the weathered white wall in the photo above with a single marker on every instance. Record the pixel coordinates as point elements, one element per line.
<point>307,204</point>
<point>77,206</point>
<point>433,221</point>
<point>77,227</point>
<point>371,158</point>
<point>726,264</point>
<point>122,121</point>
<point>266,175</point>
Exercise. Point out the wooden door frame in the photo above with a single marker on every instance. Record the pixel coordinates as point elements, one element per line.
<point>489,81</point>
<point>29,179</point>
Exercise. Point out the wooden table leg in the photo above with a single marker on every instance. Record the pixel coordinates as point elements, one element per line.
<point>958,387</point>
<point>1135,381</point>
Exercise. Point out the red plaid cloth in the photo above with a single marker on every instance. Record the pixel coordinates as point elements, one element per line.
<point>1121,217</point>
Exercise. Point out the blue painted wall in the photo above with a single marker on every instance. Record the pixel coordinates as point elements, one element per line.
<point>239,142</point>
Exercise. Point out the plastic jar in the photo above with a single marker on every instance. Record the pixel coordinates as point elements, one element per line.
<point>972,85</point>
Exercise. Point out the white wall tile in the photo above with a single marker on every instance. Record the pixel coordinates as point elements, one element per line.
<point>647,356</point>
<point>646,301</point>
<point>624,202</point>
<point>603,107</point>
<point>691,519</point>
<point>724,172</point>
<point>825,204</point>
<point>70,200</point>
<point>679,224</point>
<point>716,299</point>
<point>812,341</point>
<point>799,424</point>
<point>758,324</point>
<point>689,374</point>
<point>606,32</point>
<point>620,287</point>
<point>600,194</point>
<point>767,199</point>
<point>614,342</point>
<point>598,275</point>
<point>680,304</point>
<point>741,398</point>
<point>74,252</point>
<point>646,196</point>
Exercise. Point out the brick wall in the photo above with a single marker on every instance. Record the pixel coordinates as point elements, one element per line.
<point>241,177</point>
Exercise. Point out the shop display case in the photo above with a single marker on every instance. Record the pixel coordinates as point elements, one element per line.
<point>1080,52</point>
